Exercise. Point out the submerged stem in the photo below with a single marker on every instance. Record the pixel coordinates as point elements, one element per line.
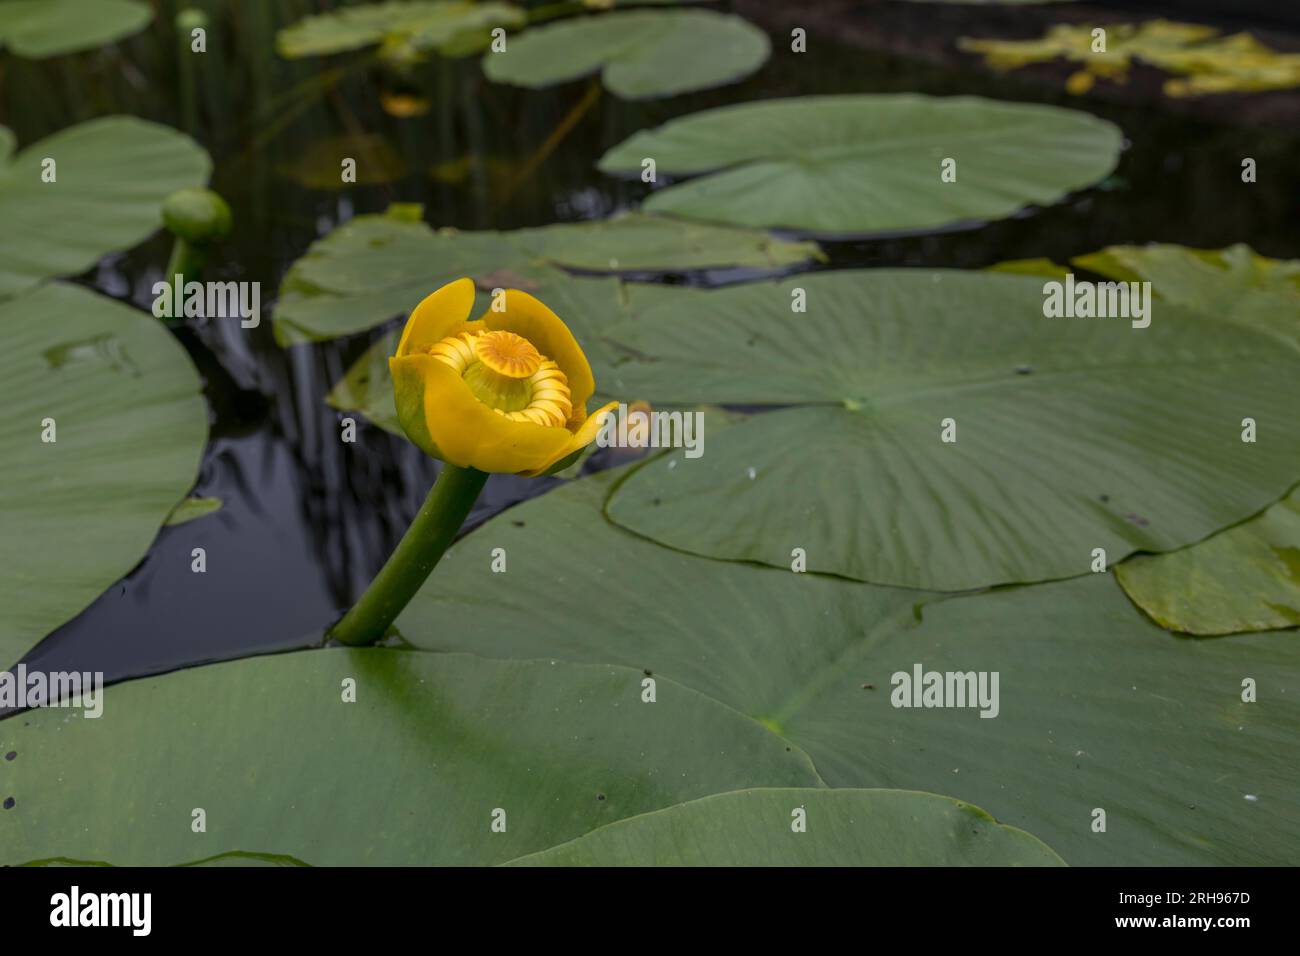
<point>440,517</point>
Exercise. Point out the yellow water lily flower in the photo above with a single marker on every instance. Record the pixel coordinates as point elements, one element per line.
<point>504,393</point>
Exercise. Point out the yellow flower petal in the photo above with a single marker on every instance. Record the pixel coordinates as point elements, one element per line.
<point>578,440</point>
<point>407,372</point>
<point>436,317</point>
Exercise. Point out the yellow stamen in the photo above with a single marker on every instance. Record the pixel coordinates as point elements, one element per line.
<point>507,373</point>
<point>458,351</point>
<point>507,354</point>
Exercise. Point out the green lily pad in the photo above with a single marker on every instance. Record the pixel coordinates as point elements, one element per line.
<point>192,508</point>
<point>112,175</point>
<point>411,773</point>
<point>39,28</point>
<point>843,828</point>
<point>868,163</point>
<point>639,54</point>
<point>1234,284</point>
<point>377,267</point>
<point>1070,434</point>
<point>403,29</point>
<point>370,270</point>
<point>367,387</point>
<point>129,426</point>
<point>634,242</point>
<point>1098,707</point>
<point>1244,579</point>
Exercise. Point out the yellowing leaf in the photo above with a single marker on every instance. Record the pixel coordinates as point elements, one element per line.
<point>1205,60</point>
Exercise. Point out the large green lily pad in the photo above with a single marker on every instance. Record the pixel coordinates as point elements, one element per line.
<point>1244,579</point>
<point>130,424</point>
<point>868,163</point>
<point>843,828</point>
<point>1098,707</point>
<point>402,28</point>
<point>1071,434</point>
<point>112,177</point>
<point>39,28</point>
<point>376,267</point>
<point>411,773</point>
<point>639,54</point>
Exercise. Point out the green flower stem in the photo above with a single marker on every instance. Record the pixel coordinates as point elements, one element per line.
<point>188,260</point>
<point>416,555</point>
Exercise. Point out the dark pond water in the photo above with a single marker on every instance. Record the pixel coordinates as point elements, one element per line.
<point>307,518</point>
